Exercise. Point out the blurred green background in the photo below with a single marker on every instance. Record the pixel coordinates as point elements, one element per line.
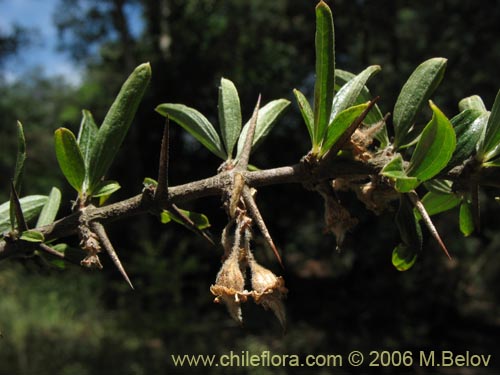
<point>79,322</point>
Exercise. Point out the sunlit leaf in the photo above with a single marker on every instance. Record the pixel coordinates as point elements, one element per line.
<point>415,92</point>
<point>70,158</point>
<point>325,72</point>
<point>50,208</point>
<point>306,111</point>
<point>341,78</point>
<point>403,257</point>
<point>347,95</point>
<point>396,171</point>
<point>87,135</point>
<point>116,123</point>
<point>195,124</point>
<point>229,114</point>
<point>199,220</point>
<point>32,236</point>
<point>340,124</point>
<point>266,119</point>
<point>490,147</point>
<point>106,188</point>
<point>31,206</point>
<point>473,102</point>
<point>434,148</point>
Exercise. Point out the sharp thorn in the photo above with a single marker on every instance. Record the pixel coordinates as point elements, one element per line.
<point>161,193</point>
<point>428,222</point>
<point>14,199</point>
<point>254,211</point>
<point>103,238</point>
<point>247,147</point>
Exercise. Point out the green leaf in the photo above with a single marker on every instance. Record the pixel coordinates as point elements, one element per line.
<point>325,72</point>
<point>439,186</point>
<point>31,206</point>
<point>492,163</point>
<point>341,78</point>
<point>21,157</point>
<point>50,209</point>
<point>116,123</point>
<point>490,148</point>
<point>70,158</point>
<point>403,257</point>
<point>436,203</point>
<point>199,220</point>
<point>306,111</point>
<point>466,218</point>
<point>434,148</point>
<point>396,171</point>
<point>415,92</point>
<point>340,124</point>
<point>106,188</point>
<point>148,181</point>
<point>348,94</point>
<point>19,169</point>
<point>195,124</point>
<point>87,135</point>
<point>468,126</point>
<point>32,236</point>
<point>229,114</point>
<point>473,102</point>
<point>266,119</point>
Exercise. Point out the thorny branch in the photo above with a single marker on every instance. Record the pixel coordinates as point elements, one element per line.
<point>300,173</point>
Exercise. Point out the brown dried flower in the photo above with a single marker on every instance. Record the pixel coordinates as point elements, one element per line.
<point>229,285</point>
<point>268,290</point>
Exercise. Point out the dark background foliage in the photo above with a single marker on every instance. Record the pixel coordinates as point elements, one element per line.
<point>79,322</point>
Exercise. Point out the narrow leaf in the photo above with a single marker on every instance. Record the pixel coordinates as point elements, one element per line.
<point>31,206</point>
<point>195,124</point>
<point>200,221</point>
<point>434,148</point>
<point>229,114</point>
<point>15,207</point>
<point>87,135</point>
<point>32,236</point>
<point>116,123</point>
<point>403,257</point>
<point>341,78</point>
<point>415,92</point>
<point>266,119</point>
<point>19,169</point>
<point>70,158</point>
<point>106,188</point>
<point>325,71</point>
<point>439,186</point>
<point>306,111</point>
<point>21,157</point>
<point>472,102</point>
<point>348,94</point>
<point>490,148</point>
<point>50,208</point>
<point>396,171</point>
<point>340,124</point>
<point>466,219</point>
